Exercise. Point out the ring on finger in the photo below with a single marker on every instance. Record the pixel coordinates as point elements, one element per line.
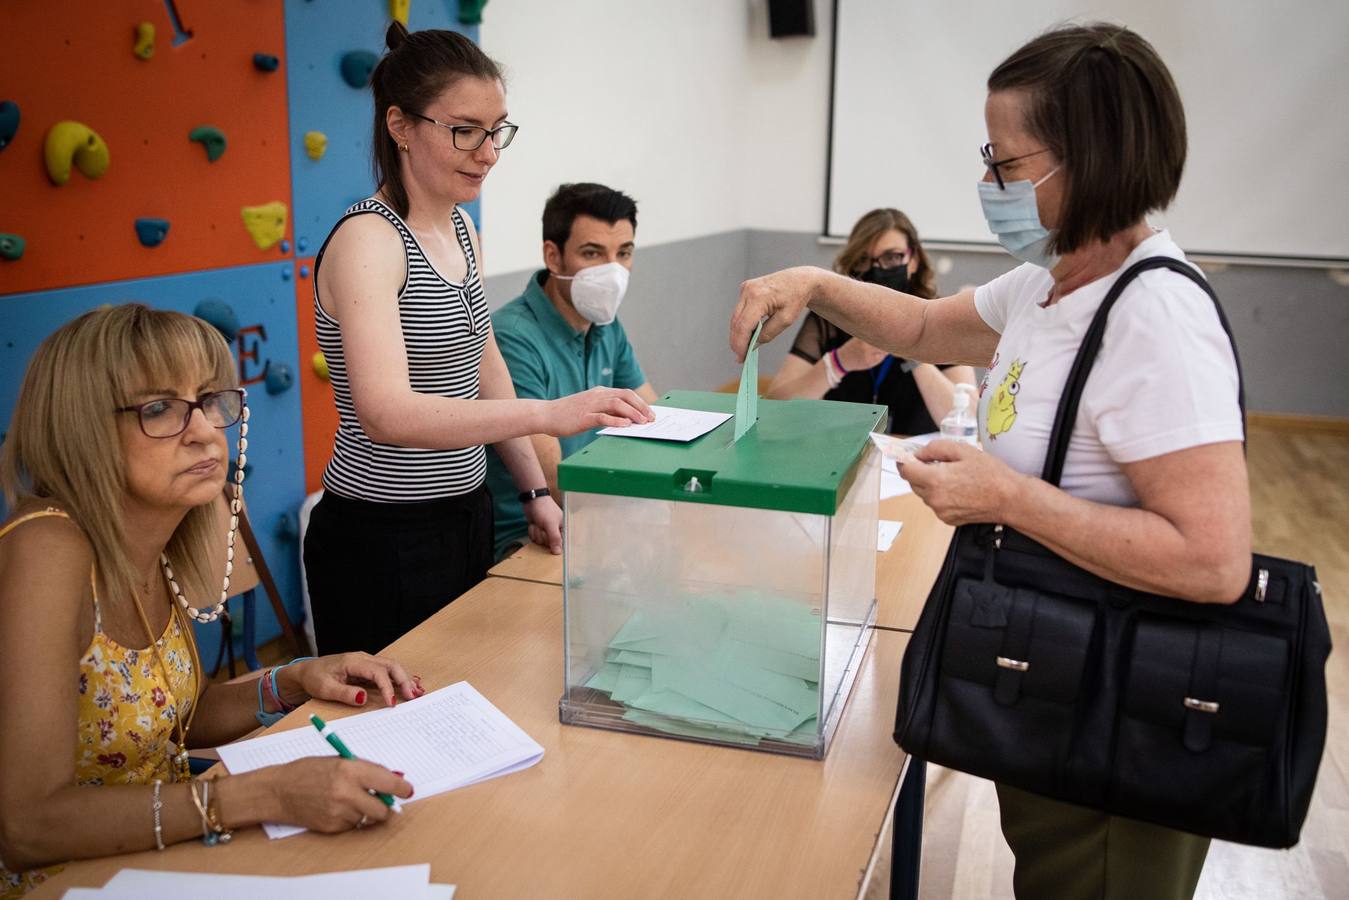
<point>365,820</point>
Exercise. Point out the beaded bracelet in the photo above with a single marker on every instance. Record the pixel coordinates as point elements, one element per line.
<point>156,805</point>
<point>833,354</point>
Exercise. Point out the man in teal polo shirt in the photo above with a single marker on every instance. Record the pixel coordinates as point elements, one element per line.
<point>562,335</point>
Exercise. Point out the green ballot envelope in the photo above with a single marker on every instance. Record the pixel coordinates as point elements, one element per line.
<point>720,589</point>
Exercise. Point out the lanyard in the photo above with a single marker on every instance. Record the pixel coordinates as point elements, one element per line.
<point>878,377</point>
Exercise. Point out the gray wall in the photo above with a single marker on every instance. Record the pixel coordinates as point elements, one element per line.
<point>1291,324</point>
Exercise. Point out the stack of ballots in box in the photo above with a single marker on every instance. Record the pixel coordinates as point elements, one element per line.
<point>736,668</point>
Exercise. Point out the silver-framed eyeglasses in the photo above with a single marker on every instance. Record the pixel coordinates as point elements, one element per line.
<point>986,151</point>
<point>470,137</point>
<point>167,417</point>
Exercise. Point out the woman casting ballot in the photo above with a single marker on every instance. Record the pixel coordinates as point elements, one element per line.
<point>113,463</point>
<point>405,523</point>
<point>1086,136</point>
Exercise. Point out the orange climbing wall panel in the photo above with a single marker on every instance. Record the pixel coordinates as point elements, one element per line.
<point>75,61</point>
<point>316,395</point>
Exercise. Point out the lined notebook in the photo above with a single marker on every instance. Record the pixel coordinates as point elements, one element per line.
<point>447,739</point>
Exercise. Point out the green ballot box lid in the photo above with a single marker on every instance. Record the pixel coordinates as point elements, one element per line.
<point>801,456</point>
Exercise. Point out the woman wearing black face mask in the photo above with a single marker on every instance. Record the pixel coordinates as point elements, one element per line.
<point>825,361</point>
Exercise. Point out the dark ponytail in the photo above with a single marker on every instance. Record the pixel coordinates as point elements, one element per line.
<point>418,66</point>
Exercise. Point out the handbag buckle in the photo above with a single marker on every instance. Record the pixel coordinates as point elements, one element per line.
<point>1261,584</point>
<point>1016,665</point>
<point>1203,706</point>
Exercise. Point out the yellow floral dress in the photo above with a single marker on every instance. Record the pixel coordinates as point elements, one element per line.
<point>127,713</point>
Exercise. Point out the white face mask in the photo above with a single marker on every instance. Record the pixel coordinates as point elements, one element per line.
<point>597,291</point>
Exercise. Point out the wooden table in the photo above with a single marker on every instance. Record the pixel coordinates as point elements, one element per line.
<point>604,814</point>
<point>904,574</point>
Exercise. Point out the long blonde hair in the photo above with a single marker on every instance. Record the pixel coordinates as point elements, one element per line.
<point>923,283</point>
<point>63,448</point>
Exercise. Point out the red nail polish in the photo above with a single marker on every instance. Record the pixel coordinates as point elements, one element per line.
<point>360,698</point>
<point>410,792</point>
<point>398,773</point>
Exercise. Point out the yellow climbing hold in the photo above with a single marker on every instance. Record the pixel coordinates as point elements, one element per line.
<point>320,364</point>
<point>266,223</point>
<point>399,9</point>
<point>75,142</point>
<point>315,143</point>
<point>145,40</point>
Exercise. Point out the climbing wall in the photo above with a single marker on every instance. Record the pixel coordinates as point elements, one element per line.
<point>192,155</point>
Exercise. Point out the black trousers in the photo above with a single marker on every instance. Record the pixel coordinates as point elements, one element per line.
<point>377,570</point>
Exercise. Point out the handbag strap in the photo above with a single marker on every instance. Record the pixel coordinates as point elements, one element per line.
<point>1071,397</point>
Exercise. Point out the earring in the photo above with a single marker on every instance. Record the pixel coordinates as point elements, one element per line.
<point>405,148</point>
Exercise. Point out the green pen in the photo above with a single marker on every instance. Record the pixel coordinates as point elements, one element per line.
<point>331,737</point>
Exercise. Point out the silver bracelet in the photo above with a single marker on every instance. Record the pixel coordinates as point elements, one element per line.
<point>158,805</point>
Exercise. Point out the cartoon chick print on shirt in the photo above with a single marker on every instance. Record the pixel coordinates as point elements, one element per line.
<point>1002,408</point>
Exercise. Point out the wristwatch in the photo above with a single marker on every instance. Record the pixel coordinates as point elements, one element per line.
<point>526,496</point>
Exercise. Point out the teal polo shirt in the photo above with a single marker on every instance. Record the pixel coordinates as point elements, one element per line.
<point>548,360</point>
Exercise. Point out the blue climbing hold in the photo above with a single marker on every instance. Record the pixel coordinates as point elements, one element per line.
<point>9,122</point>
<point>151,232</point>
<point>285,274</point>
<point>304,271</point>
<point>357,66</point>
<point>279,378</point>
<point>219,314</point>
<point>265,62</point>
<point>287,527</point>
<point>285,247</point>
<point>301,244</point>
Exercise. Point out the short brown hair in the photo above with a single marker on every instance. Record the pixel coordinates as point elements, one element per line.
<point>418,66</point>
<point>1103,102</point>
<point>873,225</point>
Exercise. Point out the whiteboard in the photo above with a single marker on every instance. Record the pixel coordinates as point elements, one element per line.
<point>1266,94</point>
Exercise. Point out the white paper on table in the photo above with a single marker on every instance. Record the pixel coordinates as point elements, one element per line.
<point>886,532</point>
<point>393,881</point>
<point>673,424</point>
<point>892,485</point>
<point>447,739</point>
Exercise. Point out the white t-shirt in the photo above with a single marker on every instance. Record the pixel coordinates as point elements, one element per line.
<point>1165,378</point>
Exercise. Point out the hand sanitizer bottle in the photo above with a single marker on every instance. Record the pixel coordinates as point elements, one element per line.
<point>960,423</point>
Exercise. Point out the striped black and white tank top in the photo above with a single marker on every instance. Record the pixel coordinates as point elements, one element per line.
<point>445,327</point>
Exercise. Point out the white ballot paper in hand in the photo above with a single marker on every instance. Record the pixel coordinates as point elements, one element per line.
<point>673,424</point>
<point>447,739</point>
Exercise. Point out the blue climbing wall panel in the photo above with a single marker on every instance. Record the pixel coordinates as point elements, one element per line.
<point>317,37</point>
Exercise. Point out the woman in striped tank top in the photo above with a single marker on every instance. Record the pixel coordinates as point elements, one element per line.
<point>405,523</point>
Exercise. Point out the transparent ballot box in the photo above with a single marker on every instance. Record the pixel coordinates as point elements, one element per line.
<point>721,590</point>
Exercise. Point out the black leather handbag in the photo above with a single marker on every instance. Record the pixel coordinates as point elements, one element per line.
<point>1033,672</point>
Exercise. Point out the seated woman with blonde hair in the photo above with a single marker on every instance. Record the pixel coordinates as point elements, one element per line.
<point>825,361</point>
<point>114,457</point>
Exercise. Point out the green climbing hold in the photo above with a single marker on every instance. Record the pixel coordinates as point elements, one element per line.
<point>9,121</point>
<point>470,11</point>
<point>210,137</point>
<point>11,247</point>
<point>265,62</point>
<point>151,232</point>
<point>357,66</point>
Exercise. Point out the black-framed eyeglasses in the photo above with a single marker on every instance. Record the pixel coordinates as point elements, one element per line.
<point>470,137</point>
<point>890,259</point>
<point>167,417</point>
<point>986,151</point>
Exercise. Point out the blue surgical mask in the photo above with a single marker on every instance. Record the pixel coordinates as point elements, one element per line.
<point>1014,217</point>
